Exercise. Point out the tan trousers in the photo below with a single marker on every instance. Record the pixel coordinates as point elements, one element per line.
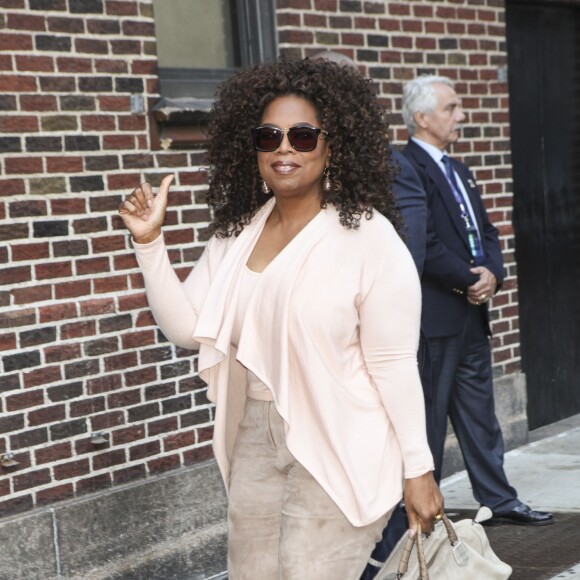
<point>282,524</point>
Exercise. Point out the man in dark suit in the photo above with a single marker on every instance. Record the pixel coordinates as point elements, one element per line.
<point>463,269</point>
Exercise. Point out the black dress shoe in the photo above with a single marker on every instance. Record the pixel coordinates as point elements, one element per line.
<point>521,515</point>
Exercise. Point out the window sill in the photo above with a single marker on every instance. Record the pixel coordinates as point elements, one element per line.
<point>180,123</point>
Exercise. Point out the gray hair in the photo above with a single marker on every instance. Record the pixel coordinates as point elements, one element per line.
<point>419,97</point>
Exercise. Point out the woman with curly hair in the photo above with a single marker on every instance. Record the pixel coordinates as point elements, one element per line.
<point>305,308</point>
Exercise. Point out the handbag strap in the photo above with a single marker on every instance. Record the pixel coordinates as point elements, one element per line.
<point>404,561</point>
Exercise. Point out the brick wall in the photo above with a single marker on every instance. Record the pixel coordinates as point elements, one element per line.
<point>80,351</point>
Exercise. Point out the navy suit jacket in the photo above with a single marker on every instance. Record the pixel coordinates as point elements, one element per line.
<point>412,203</point>
<point>446,272</point>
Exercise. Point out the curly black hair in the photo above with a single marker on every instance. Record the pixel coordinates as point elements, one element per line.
<point>347,107</point>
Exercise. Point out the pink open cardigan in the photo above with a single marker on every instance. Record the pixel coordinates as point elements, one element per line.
<point>332,329</point>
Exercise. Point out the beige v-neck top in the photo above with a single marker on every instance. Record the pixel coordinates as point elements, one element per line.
<point>255,388</point>
<point>332,329</point>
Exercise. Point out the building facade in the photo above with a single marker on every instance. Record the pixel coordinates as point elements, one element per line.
<point>97,409</point>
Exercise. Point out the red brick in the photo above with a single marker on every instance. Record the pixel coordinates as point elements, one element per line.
<point>34,63</point>
<point>144,67</point>
<point>104,384</point>
<point>97,306</point>
<point>123,181</point>
<point>7,341</point>
<point>74,64</point>
<point>92,266</point>
<point>144,450</point>
<point>58,312</point>
<point>314,20</point>
<point>68,206</point>
<point>288,19</point>
<point>352,39</point>
<point>93,484</point>
<point>18,124</point>
<point>6,62</point>
<point>204,434</point>
<point>54,494</point>
<point>16,318</point>
<point>26,22</point>
<point>71,469</point>
<point>296,36</point>
<point>125,398</point>
<point>64,165</point>
<point>140,377</point>
<point>118,142</point>
<point>12,187</point>
<point>15,505</point>
<point>25,400</point>
<point>121,361</point>
<point>108,459</point>
<point>164,425</point>
<point>53,270</point>
<point>128,434</point>
<point>132,123</point>
<point>108,244</point>
<point>78,329</point>
<point>47,415</point>
<point>73,289</point>
<point>16,275</point>
<point>132,473</point>
<point>17,42</point>
<point>4,487</point>
<point>42,376</point>
<point>107,420</point>
<point>138,339</point>
<point>111,66</point>
<point>126,262</point>
<point>38,103</point>
<point>326,5</point>
<point>201,453</point>
<point>32,295</point>
<point>114,104</point>
<point>53,453</point>
<point>163,464</point>
<point>98,123</point>
<point>87,407</point>
<point>17,84</point>
<point>31,479</point>
<point>23,165</point>
<point>178,440</point>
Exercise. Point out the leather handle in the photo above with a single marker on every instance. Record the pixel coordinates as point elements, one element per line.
<point>410,542</point>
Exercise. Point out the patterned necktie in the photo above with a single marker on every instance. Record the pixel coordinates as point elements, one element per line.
<point>472,233</point>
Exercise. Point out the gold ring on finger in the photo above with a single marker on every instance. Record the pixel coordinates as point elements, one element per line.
<point>437,518</point>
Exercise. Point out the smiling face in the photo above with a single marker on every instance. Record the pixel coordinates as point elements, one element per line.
<point>288,172</point>
<point>442,126</point>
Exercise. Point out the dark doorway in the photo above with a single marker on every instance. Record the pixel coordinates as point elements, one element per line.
<point>544,87</point>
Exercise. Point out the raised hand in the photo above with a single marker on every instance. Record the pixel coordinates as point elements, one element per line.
<point>143,211</point>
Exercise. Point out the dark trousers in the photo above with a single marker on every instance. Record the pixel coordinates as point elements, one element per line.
<point>459,385</point>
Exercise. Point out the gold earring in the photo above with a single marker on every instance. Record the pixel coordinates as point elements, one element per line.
<point>326,183</point>
<point>265,188</point>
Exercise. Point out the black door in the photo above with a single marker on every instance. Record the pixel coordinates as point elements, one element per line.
<point>544,88</point>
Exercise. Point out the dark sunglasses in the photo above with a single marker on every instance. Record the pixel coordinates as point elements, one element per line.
<point>303,138</point>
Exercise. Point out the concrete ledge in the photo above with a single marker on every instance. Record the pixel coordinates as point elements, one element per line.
<point>171,527</point>
<point>511,410</point>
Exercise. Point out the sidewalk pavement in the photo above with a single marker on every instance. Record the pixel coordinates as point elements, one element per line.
<point>546,475</point>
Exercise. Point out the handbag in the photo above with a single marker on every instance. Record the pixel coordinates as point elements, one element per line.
<point>458,551</point>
